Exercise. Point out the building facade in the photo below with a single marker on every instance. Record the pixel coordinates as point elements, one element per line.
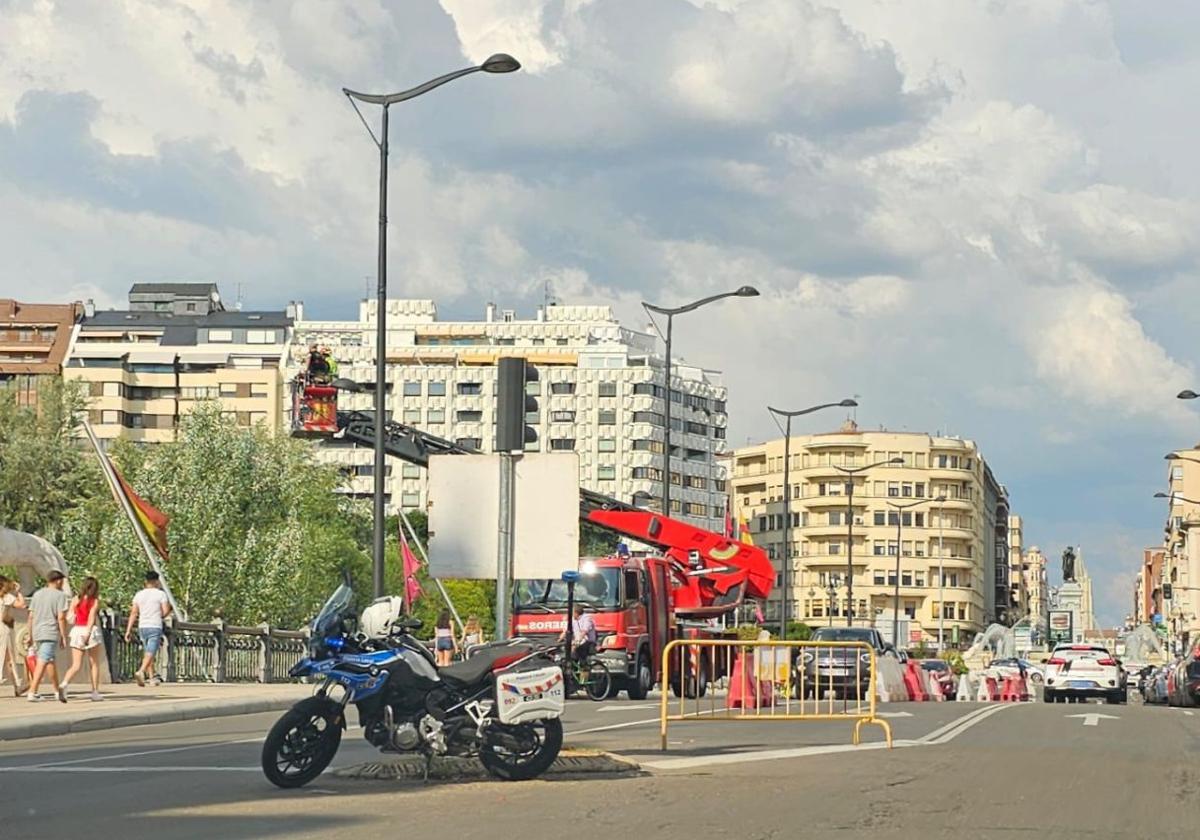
<point>945,549</point>
<point>1019,600</point>
<point>1181,560</point>
<point>1148,602</point>
<point>599,393</point>
<point>147,366</point>
<point>34,338</point>
<point>1037,588</point>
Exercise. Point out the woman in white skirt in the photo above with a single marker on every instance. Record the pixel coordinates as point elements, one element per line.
<point>10,599</point>
<point>85,635</point>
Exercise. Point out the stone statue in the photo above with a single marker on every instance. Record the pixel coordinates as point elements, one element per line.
<point>1068,565</point>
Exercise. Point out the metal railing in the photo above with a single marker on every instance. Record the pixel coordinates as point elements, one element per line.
<point>771,681</point>
<point>215,652</point>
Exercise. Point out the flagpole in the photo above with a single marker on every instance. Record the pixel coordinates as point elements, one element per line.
<point>115,487</point>
<point>417,542</point>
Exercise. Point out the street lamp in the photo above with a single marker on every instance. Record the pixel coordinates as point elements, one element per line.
<point>776,413</point>
<point>499,63</point>
<point>851,472</point>
<point>899,508</point>
<point>1187,395</point>
<point>832,582</point>
<point>671,312</point>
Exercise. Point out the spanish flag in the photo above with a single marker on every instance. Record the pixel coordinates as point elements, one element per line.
<point>744,531</point>
<point>153,521</point>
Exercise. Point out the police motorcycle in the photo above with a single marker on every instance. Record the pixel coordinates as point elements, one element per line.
<point>503,704</point>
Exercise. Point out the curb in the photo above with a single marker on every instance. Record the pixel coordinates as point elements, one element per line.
<point>166,713</point>
<point>456,769</point>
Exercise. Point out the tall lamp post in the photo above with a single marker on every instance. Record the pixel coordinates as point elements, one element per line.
<point>899,508</point>
<point>850,473</point>
<point>786,563</point>
<point>671,312</point>
<point>499,63</point>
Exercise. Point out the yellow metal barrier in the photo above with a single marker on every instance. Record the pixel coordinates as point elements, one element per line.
<point>770,680</point>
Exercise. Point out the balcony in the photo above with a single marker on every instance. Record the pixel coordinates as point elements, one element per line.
<point>834,500</point>
<point>831,560</point>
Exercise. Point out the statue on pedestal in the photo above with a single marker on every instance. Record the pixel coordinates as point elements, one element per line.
<point>1068,565</point>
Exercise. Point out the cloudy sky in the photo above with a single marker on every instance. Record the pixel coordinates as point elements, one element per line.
<point>981,217</point>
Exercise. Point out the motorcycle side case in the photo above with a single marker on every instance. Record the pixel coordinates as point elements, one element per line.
<point>530,695</point>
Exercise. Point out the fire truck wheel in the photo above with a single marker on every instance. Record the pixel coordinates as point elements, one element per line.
<point>639,687</point>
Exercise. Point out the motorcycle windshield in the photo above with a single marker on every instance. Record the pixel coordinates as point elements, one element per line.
<point>326,622</point>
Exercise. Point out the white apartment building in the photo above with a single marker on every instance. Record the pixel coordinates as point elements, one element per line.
<point>599,392</point>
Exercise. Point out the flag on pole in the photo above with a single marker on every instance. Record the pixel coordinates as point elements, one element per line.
<point>744,531</point>
<point>729,533</point>
<point>412,587</point>
<point>152,520</point>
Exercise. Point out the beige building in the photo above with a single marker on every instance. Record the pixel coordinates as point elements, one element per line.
<point>953,544</point>
<point>1037,590</point>
<point>1019,598</point>
<point>33,342</point>
<point>1181,562</point>
<point>145,367</point>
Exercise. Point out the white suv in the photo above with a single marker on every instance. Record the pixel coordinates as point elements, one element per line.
<point>1076,671</point>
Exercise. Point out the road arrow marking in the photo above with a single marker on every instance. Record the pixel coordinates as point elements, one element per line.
<point>1093,718</point>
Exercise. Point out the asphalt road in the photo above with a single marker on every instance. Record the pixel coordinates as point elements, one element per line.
<point>957,770</point>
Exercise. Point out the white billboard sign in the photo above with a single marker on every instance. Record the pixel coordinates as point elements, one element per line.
<point>464,511</point>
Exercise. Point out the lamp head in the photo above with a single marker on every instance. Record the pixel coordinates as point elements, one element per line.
<point>848,404</point>
<point>500,63</point>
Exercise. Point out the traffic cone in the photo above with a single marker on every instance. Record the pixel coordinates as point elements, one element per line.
<point>964,689</point>
<point>982,695</point>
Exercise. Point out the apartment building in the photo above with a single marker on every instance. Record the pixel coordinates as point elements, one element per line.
<point>146,366</point>
<point>1148,601</point>
<point>1037,590</point>
<point>1019,600</point>
<point>33,343</point>
<point>947,551</point>
<point>600,394</point>
<point>1181,561</point>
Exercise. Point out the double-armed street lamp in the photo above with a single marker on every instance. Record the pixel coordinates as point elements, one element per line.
<point>498,63</point>
<point>786,562</point>
<point>832,582</point>
<point>671,312</point>
<point>850,473</point>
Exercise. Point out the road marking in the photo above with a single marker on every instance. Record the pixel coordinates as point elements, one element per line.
<point>107,757</point>
<point>630,723</point>
<point>130,769</point>
<point>943,735</point>
<point>1093,718</point>
<point>894,714</point>
<point>627,707</point>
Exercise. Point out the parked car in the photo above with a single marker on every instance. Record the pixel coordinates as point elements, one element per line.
<point>940,670</point>
<point>1034,673</point>
<point>1075,672</point>
<point>847,671</point>
<point>1152,684</point>
<point>1184,683</point>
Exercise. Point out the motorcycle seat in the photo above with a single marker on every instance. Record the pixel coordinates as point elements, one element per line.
<point>471,671</point>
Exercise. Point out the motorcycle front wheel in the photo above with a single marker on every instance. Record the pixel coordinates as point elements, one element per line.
<point>521,751</point>
<point>302,743</point>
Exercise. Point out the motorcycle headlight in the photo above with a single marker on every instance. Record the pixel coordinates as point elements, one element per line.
<point>866,658</point>
<point>807,656</point>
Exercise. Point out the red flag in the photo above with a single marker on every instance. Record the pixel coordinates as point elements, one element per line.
<point>153,521</point>
<point>412,587</point>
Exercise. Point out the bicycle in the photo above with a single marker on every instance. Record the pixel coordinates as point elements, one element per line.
<point>591,675</point>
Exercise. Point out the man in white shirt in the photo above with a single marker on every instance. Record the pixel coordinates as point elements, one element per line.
<point>583,634</point>
<point>150,607</point>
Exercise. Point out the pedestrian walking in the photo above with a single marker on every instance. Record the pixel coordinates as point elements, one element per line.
<point>472,633</point>
<point>48,633</point>
<point>445,645</point>
<point>150,607</point>
<point>10,599</point>
<point>85,635</point>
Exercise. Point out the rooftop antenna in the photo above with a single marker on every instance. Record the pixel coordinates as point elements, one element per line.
<point>366,287</point>
<point>548,295</point>
<point>854,409</point>
<point>238,304</point>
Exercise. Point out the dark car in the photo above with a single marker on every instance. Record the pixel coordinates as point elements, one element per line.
<point>1185,687</point>
<point>940,670</point>
<point>845,671</point>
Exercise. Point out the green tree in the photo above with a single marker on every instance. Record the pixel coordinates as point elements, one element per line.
<point>257,531</point>
<point>798,631</point>
<point>44,471</point>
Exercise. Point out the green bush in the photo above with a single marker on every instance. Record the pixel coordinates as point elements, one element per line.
<point>954,659</point>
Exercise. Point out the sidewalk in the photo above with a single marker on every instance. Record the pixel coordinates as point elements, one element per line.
<point>128,705</point>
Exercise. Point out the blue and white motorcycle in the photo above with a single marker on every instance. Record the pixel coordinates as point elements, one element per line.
<point>502,705</point>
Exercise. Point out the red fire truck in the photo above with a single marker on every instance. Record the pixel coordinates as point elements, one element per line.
<point>640,600</point>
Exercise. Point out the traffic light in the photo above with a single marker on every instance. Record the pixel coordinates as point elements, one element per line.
<point>1167,592</point>
<point>513,403</point>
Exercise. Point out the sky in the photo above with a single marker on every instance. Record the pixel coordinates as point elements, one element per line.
<point>978,216</point>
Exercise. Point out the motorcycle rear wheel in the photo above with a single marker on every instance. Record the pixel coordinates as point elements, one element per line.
<point>521,751</point>
<point>302,743</point>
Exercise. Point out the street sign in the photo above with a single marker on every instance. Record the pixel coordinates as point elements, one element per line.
<point>1062,627</point>
<point>1023,638</point>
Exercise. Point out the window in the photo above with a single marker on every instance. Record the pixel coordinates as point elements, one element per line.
<point>437,415</point>
<point>648,417</point>
<point>1176,473</point>
<point>835,548</point>
<point>562,444</point>
<point>937,610</point>
<point>260,336</point>
<point>608,418</point>
<point>469,443</point>
<point>906,578</point>
<point>878,549</point>
<point>412,389</point>
<point>412,415</point>
<point>562,416</point>
<point>437,389</point>
<point>469,416</point>
<point>228,389</point>
<point>220,336</point>
<point>835,517</point>
<point>878,578</point>
<point>410,471</point>
<point>606,445</point>
<point>696,428</point>
<point>879,517</point>
<point>562,387</point>
<point>920,489</point>
<point>821,488</point>
<point>606,472</point>
<point>633,590</point>
<point>906,489</point>
<point>906,517</point>
<point>652,473</point>
<point>608,389</point>
<point>919,519</point>
<point>410,500</point>
<point>470,389</point>
<point>910,609</point>
<point>893,488</point>
<point>258,389</point>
